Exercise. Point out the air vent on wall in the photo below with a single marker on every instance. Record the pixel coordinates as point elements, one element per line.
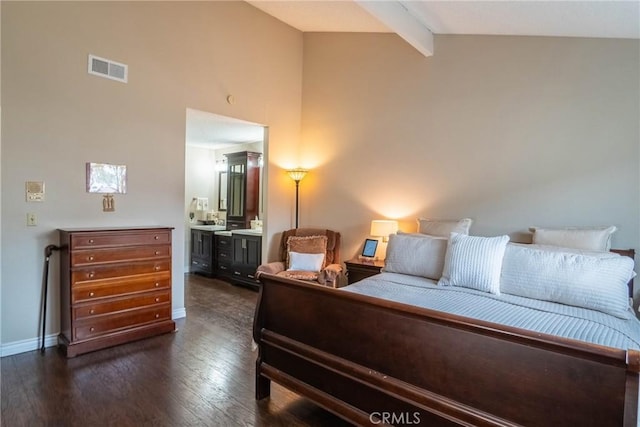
<point>107,68</point>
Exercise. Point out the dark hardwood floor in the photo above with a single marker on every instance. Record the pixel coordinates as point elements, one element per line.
<point>202,375</point>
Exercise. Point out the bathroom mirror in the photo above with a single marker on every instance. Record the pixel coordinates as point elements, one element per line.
<point>107,179</point>
<point>222,191</point>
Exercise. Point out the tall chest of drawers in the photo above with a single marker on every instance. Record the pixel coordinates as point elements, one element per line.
<point>115,286</point>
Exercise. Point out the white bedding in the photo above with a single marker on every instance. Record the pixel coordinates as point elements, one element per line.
<point>526,313</point>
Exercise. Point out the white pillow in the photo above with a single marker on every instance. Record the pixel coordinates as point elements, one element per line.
<point>593,281</point>
<point>416,255</point>
<point>443,228</point>
<point>305,262</point>
<point>588,238</point>
<point>553,248</point>
<point>474,262</point>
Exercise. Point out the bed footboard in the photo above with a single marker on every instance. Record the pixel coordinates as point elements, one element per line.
<point>373,361</point>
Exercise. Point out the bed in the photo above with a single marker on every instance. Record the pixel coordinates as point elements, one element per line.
<point>375,358</point>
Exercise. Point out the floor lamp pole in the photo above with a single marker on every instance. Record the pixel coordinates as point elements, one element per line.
<point>297,187</point>
<point>297,175</point>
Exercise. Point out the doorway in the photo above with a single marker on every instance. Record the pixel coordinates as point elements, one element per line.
<point>208,138</point>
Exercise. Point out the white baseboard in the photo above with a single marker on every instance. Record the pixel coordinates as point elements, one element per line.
<point>51,340</point>
<point>30,344</point>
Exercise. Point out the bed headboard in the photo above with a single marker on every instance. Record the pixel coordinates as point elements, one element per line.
<point>631,253</point>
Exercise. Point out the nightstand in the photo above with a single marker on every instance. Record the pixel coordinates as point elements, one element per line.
<point>358,269</point>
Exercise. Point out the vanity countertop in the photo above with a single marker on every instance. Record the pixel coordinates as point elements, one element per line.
<point>248,231</point>
<point>208,227</point>
<point>220,229</point>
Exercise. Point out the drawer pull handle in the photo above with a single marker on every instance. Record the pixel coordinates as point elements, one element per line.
<point>157,252</point>
<point>92,329</point>
<point>91,294</point>
<point>156,237</point>
<point>157,315</point>
<point>90,240</point>
<point>156,268</point>
<point>92,311</point>
<point>250,276</point>
<point>90,258</point>
<point>237,273</point>
<point>157,299</point>
<point>157,284</point>
<point>91,274</point>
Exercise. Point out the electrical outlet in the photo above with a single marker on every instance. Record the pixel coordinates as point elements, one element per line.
<point>32,219</point>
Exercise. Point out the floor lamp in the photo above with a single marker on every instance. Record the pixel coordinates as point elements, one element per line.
<point>297,174</point>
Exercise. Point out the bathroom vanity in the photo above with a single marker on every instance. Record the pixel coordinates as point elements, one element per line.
<point>232,251</point>
<point>232,255</point>
<point>246,256</point>
<point>203,249</point>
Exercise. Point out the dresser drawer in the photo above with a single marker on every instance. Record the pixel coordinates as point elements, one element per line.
<point>91,327</point>
<point>133,253</point>
<point>120,304</point>
<point>224,269</point>
<point>123,286</point>
<point>244,273</point>
<point>97,240</point>
<point>87,274</point>
<point>223,241</point>
<point>224,257</point>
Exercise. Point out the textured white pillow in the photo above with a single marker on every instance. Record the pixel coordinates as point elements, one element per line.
<point>305,262</point>
<point>588,238</point>
<point>416,255</point>
<point>553,248</point>
<point>443,228</point>
<point>594,281</point>
<point>474,262</point>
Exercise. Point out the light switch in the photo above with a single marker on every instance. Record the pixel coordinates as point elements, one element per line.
<point>32,219</point>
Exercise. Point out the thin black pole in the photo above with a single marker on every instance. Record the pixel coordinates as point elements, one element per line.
<point>297,186</point>
<point>47,254</point>
<point>44,300</point>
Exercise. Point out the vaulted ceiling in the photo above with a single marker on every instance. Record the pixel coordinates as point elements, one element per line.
<point>417,20</point>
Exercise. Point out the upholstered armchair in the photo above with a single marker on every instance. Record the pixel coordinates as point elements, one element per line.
<point>301,247</point>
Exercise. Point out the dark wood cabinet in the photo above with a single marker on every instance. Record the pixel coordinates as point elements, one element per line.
<point>358,269</point>
<point>202,252</point>
<point>243,189</point>
<point>246,257</point>
<point>223,256</point>
<point>115,286</point>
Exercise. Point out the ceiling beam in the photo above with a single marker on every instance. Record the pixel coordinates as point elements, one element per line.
<point>398,18</point>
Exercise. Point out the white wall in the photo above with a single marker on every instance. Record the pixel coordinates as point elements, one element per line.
<point>56,117</point>
<point>510,131</point>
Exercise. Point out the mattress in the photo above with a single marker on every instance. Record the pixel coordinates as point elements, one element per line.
<point>526,313</point>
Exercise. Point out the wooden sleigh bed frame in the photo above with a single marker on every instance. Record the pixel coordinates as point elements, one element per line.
<point>373,361</point>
